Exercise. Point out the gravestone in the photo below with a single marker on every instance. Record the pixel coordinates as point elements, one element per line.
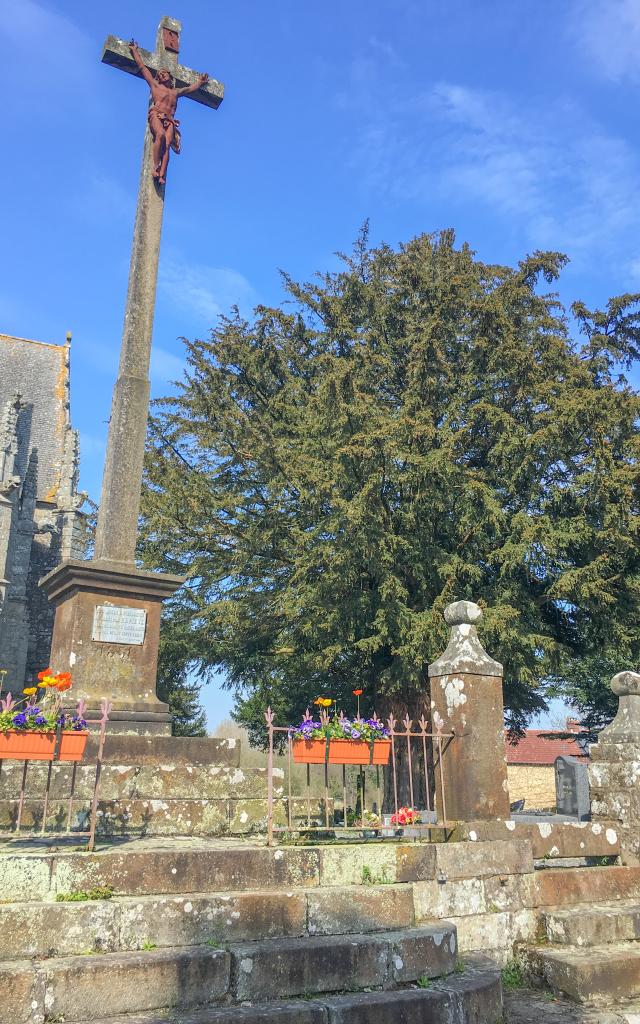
<point>572,788</point>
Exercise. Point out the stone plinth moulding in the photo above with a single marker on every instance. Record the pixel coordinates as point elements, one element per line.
<point>106,633</point>
<point>466,693</point>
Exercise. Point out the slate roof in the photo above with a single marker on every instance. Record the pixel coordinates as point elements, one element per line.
<point>39,372</point>
<point>534,749</point>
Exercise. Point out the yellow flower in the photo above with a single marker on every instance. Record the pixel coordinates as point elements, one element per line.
<point>29,690</point>
<point>323,702</point>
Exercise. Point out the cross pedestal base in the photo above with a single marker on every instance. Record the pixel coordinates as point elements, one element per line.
<point>106,634</point>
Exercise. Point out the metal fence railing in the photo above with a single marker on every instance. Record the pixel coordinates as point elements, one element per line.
<point>361,798</point>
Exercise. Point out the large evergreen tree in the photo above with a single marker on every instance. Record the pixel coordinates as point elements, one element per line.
<point>416,428</point>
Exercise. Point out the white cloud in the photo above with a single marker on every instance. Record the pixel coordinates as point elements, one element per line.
<point>165,366</point>
<point>549,171</point>
<point>203,291</point>
<point>609,35</point>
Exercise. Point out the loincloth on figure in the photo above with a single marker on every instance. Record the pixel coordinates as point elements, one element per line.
<point>165,120</point>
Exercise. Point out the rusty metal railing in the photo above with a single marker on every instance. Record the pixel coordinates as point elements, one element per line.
<point>91,832</point>
<point>420,749</point>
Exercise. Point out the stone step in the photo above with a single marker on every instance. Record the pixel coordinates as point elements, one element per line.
<point>73,988</point>
<point>596,976</point>
<point>180,866</point>
<point>47,929</point>
<point>557,887</point>
<point>472,997</point>
<point>598,925</point>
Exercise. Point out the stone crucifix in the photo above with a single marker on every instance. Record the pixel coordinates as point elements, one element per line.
<point>122,480</point>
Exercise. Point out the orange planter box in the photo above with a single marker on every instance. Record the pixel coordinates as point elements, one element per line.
<point>341,751</point>
<point>309,751</point>
<point>359,752</point>
<point>40,746</point>
<point>32,746</point>
<point>72,745</point>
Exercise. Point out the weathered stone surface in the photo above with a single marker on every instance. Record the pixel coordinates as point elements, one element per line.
<point>558,887</point>
<point>435,900</point>
<point>349,865</point>
<point>531,1006</point>
<point>508,892</point>
<point>279,968</point>
<point>466,697</point>
<point>58,929</point>
<point>474,860</point>
<point>415,862</point>
<point>22,1000</point>
<point>409,1007</point>
<point>123,673</point>
<point>77,987</point>
<point>39,501</point>
<point>201,868</point>
<point>165,780</point>
<point>287,967</point>
<point>596,976</point>
<point>359,909</point>
<point>472,997</point>
<point>143,750</point>
<point>25,877</point>
<point>476,991</point>
<point>496,932</point>
<point>548,838</point>
<point>195,919</point>
<point>598,925</point>
<point>423,952</point>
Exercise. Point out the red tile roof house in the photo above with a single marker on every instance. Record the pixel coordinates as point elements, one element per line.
<point>531,760</point>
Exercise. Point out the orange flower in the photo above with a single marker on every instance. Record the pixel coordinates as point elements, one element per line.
<point>63,681</point>
<point>45,672</point>
<point>357,693</point>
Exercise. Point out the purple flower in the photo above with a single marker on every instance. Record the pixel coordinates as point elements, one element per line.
<point>40,720</point>
<point>355,735</point>
<point>20,719</point>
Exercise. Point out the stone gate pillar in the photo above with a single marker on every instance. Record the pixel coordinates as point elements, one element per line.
<point>614,771</point>
<point>466,692</point>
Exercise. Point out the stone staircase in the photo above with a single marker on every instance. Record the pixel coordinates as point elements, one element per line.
<point>592,954</point>
<point>200,933</point>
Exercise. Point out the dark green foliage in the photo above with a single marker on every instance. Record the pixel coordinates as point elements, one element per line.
<point>414,429</point>
<point>177,685</point>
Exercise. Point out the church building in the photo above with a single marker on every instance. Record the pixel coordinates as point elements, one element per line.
<point>40,519</point>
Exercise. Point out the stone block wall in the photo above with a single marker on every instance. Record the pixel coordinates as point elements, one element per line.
<point>533,783</point>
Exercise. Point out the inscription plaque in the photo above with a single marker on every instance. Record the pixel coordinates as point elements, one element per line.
<point>117,625</point>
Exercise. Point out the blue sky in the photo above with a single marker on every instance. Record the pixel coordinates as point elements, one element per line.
<point>515,123</point>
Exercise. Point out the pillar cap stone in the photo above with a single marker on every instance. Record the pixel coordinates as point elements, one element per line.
<point>464,652</point>
<point>626,684</point>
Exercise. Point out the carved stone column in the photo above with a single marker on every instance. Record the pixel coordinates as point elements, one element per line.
<point>614,771</point>
<point>466,692</point>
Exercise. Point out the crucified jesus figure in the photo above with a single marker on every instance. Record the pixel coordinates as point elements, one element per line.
<point>163,125</point>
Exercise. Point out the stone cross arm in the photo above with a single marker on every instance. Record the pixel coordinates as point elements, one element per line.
<point>116,53</point>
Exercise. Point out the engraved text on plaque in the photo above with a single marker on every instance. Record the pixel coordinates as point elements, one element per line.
<point>117,625</point>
